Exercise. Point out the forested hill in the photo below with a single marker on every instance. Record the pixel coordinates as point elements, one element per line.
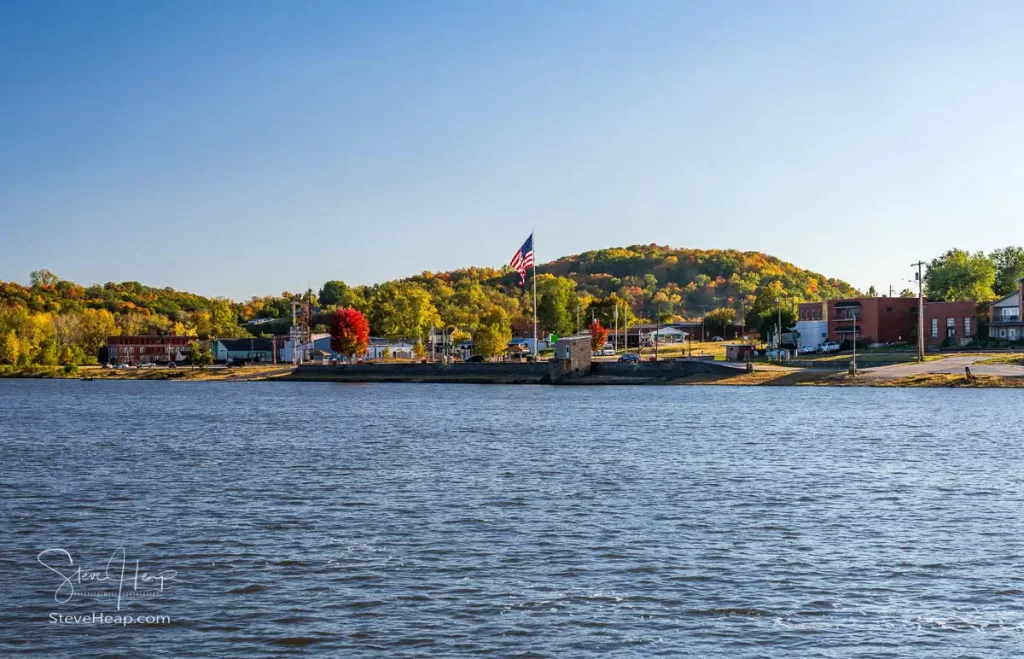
<point>689,279</point>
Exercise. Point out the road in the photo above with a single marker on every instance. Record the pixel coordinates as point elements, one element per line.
<point>949,365</point>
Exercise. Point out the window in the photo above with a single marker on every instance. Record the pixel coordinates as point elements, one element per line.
<point>935,328</point>
<point>967,325</point>
<point>951,322</point>
<point>1011,313</point>
<point>888,309</point>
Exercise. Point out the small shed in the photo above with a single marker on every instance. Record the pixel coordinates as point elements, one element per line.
<point>739,352</point>
<point>517,351</point>
<point>573,352</point>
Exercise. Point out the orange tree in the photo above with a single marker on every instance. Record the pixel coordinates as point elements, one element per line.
<point>598,335</point>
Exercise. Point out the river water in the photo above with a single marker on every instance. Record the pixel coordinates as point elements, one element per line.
<point>351,520</point>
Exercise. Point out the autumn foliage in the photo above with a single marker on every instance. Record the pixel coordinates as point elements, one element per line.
<point>350,332</point>
<point>598,335</point>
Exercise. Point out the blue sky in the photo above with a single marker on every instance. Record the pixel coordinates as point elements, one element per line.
<point>241,148</point>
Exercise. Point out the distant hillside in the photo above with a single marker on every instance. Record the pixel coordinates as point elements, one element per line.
<point>693,278</point>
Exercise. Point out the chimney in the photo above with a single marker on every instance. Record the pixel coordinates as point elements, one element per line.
<point>1020,298</point>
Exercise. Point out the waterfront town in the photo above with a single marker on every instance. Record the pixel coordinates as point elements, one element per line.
<point>826,326</point>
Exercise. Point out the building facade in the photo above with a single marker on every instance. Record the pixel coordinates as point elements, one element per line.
<point>949,323</point>
<point>1006,316</point>
<point>884,320</point>
<point>146,349</point>
<point>258,351</point>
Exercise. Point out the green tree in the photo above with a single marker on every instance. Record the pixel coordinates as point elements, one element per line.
<point>1009,269</point>
<point>42,278</point>
<point>958,275</point>
<point>767,322</point>
<point>871,291</point>
<point>493,334</point>
<point>419,351</point>
<point>720,319</point>
<point>906,292</point>
<point>556,307</point>
<point>199,353</point>
<point>336,293</point>
<point>403,310</point>
<point>10,348</point>
<point>95,327</point>
<point>224,321</point>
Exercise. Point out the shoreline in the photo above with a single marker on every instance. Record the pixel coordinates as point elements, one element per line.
<point>639,377</point>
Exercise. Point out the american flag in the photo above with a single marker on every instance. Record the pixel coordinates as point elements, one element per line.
<point>523,259</point>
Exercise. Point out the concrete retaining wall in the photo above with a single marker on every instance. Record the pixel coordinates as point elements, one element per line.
<point>517,373</point>
<point>497,372</point>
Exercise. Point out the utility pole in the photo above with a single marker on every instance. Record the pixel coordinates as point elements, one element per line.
<point>778,332</point>
<point>853,364</point>
<point>657,333</point>
<point>920,311</point>
<point>625,328</point>
<point>615,336</point>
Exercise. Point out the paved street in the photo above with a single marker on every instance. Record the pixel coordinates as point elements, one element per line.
<point>953,365</point>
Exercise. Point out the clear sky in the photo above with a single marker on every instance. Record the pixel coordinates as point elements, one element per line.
<point>241,148</point>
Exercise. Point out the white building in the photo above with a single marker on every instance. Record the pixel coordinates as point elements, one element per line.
<point>811,333</point>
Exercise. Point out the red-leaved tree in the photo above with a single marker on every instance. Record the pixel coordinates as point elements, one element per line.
<point>598,335</point>
<point>350,333</point>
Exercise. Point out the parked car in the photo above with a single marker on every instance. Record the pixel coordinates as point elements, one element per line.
<point>236,362</point>
<point>476,359</point>
<point>830,346</point>
<point>121,366</point>
<point>108,365</point>
<point>147,365</point>
<point>629,357</point>
<point>717,338</point>
<point>172,365</point>
<point>607,351</point>
<point>808,350</point>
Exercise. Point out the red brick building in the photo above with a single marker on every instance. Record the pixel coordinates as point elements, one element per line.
<point>148,348</point>
<point>891,319</point>
<point>949,320</point>
<point>877,319</point>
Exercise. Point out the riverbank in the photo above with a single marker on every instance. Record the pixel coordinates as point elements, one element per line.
<point>679,373</point>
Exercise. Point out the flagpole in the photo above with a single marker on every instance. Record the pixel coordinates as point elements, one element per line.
<point>533,240</point>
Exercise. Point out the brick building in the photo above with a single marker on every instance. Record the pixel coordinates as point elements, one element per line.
<point>148,348</point>
<point>877,319</point>
<point>887,320</point>
<point>949,320</point>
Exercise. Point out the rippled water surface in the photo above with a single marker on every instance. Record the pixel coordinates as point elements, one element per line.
<point>450,520</point>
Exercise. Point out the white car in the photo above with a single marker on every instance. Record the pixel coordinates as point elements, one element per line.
<point>830,346</point>
<point>607,351</point>
<point>808,350</point>
<point>147,365</point>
